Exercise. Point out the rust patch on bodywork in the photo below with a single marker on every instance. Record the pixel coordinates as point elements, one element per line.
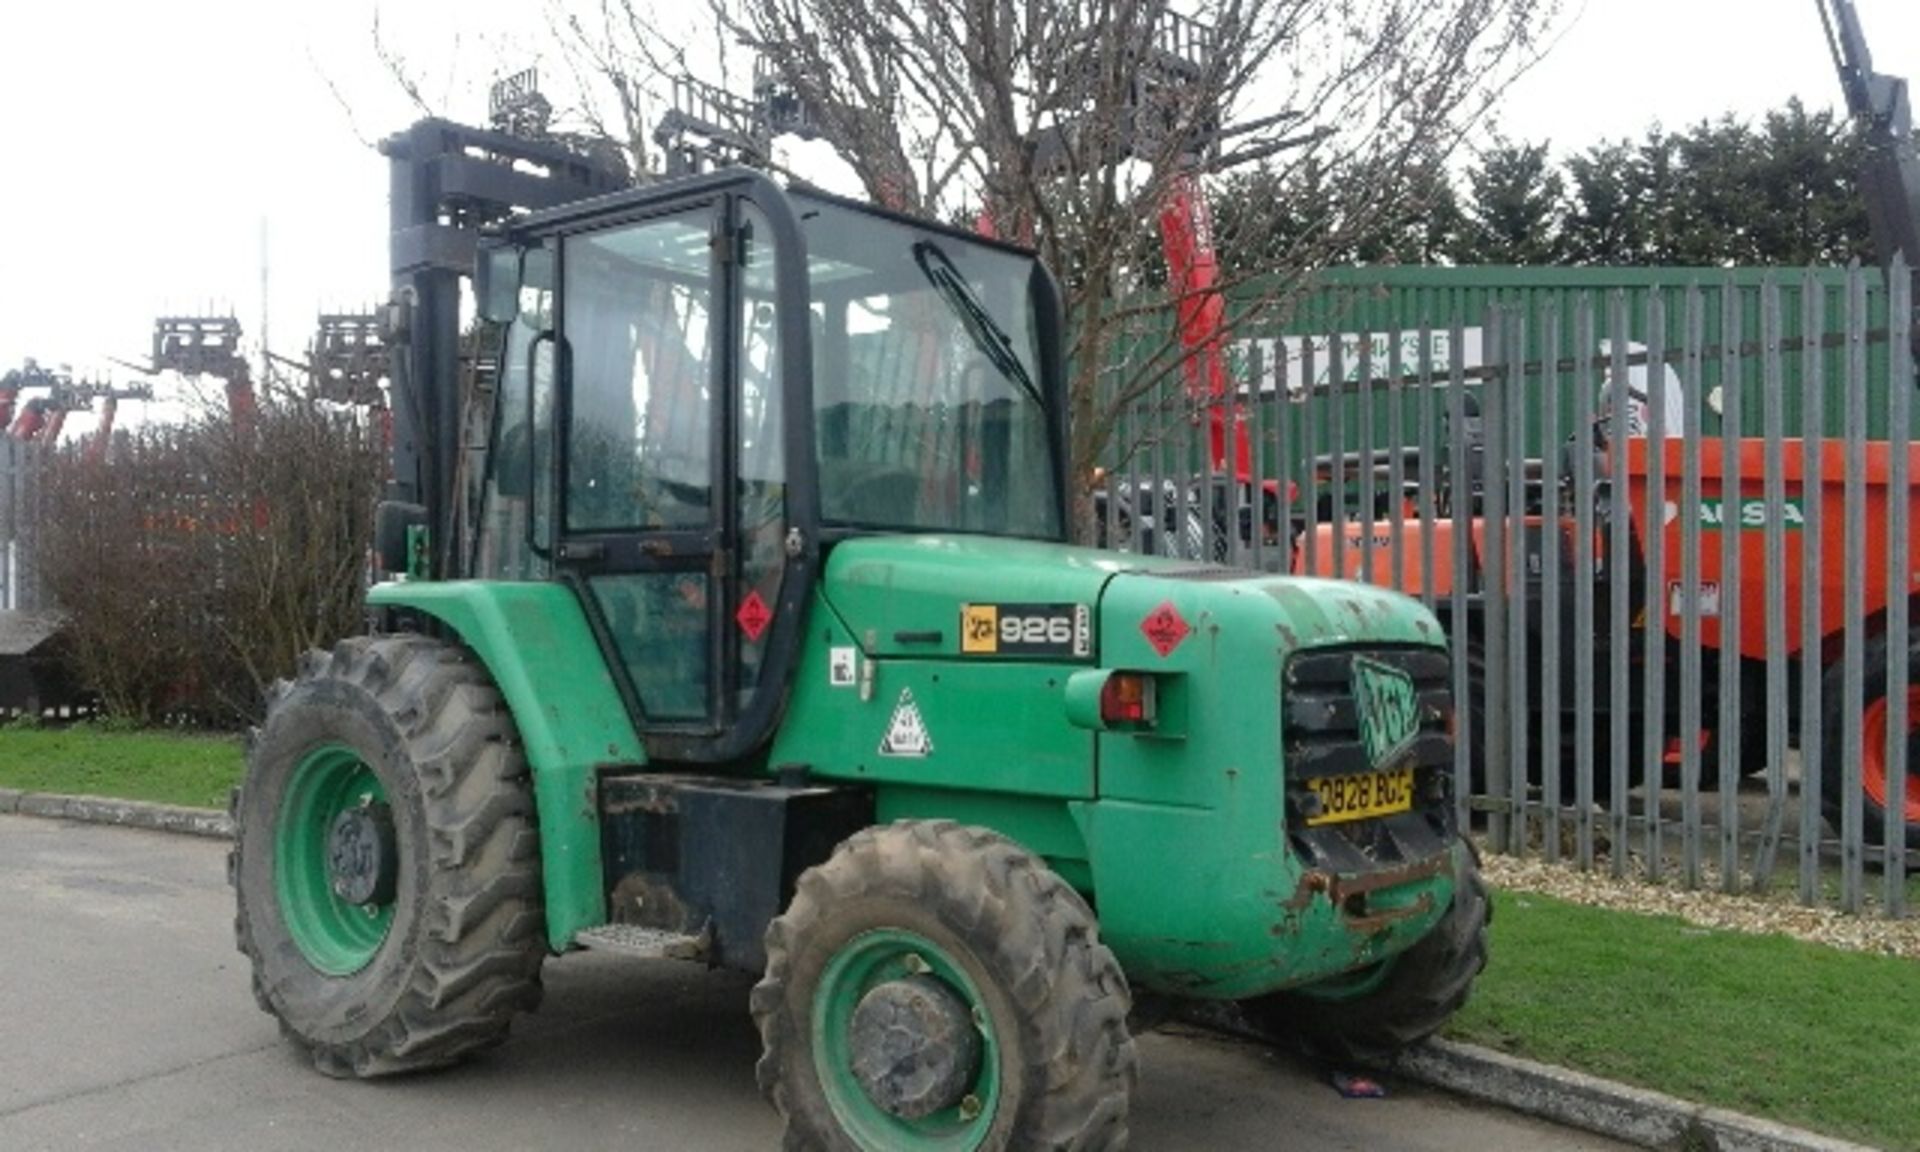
<point>1349,894</point>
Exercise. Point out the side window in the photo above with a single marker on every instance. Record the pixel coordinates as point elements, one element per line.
<point>760,423</point>
<point>659,622</point>
<point>639,333</point>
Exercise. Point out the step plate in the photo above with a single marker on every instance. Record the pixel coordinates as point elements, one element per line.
<point>647,943</point>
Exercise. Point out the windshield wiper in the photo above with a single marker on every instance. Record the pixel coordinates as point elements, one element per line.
<point>992,340</point>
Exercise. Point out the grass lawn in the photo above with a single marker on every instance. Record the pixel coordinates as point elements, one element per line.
<point>165,767</point>
<point>1799,1033</point>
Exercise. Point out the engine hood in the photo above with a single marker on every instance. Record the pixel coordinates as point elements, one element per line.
<point>916,596</point>
<point>908,595</point>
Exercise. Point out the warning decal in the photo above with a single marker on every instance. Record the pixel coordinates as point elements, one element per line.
<point>753,616</point>
<point>1164,628</point>
<point>841,666</point>
<point>906,733</point>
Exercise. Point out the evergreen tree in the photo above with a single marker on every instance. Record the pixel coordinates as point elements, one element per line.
<point>1513,207</point>
<point>1807,175</point>
<point>1605,213</point>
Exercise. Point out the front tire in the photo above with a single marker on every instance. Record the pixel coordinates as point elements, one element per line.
<point>987,966</point>
<point>1407,1001</point>
<point>386,865</point>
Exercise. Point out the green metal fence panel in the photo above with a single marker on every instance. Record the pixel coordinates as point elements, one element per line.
<point>1357,320</point>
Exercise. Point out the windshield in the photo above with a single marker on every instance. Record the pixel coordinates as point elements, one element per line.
<point>928,407</point>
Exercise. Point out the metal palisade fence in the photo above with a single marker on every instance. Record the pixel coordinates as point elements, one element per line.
<point>1671,535</point>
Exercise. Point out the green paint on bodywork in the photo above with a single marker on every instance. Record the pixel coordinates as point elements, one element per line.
<point>895,592</point>
<point>990,725</point>
<point>1082,698</point>
<point>1177,835</point>
<point>1041,825</point>
<point>535,641</point>
<point>1198,890</point>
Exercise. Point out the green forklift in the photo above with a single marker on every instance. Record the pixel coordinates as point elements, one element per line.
<point>746,631</point>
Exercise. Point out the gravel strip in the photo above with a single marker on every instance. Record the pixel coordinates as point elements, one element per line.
<point>1750,913</point>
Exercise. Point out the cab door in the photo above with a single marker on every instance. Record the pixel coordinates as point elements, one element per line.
<point>673,519</point>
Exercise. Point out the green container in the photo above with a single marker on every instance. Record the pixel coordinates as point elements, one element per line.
<point>1366,312</point>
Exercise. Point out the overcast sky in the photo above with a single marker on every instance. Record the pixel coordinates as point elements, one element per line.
<point>148,144</point>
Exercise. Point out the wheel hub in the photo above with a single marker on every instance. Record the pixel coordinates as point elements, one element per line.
<point>915,1048</point>
<point>361,857</point>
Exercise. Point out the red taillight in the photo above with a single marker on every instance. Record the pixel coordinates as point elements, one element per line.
<point>1127,698</point>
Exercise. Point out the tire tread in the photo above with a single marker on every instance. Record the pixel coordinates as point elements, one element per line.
<point>482,936</point>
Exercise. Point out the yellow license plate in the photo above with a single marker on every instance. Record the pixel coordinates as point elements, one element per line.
<point>1362,795</point>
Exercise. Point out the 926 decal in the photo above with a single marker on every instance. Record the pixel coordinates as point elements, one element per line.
<point>1026,630</point>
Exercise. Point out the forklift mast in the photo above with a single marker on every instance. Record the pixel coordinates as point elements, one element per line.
<point>1167,72</point>
<point>449,181</point>
<point>347,360</point>
<point>1890,176</point>
<point>708,127</point>
<point>206,346</point>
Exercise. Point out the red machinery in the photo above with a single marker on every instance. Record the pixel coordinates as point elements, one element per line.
<point>109,396</point>
<point>18,380</point>
<point>41,418</point>
<point>1732,571</point>
<point>1193,272</point>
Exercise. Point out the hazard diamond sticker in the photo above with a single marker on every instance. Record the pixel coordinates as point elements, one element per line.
<point>753,616</point>
<point>907,733</point>
<point>1164,628</point>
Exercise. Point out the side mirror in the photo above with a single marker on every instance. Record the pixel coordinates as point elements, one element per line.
<point>396,530</point>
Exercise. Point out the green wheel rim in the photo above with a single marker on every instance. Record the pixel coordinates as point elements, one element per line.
<point>863,963</point>
<point>336,937</point>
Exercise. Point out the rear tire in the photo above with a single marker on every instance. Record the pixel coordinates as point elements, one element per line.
<point>1476,717</point>
<point>432,962</point>
<point>1873,722</point>
<point>1529,779</point>
<point>1418,992</point>
<point>994,933</point>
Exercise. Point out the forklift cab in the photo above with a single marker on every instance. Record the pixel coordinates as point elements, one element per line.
<point>706,384</point>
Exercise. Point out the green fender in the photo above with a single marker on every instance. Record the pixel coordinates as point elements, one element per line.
<point>535,641</point>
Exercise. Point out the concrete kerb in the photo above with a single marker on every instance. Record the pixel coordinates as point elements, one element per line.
<point>1570,1099</point>
<point>205,822</point>
<point>1631,1115</point>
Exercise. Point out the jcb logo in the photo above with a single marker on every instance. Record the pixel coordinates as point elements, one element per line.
<point>1389,710</point>
<point>980,628</point>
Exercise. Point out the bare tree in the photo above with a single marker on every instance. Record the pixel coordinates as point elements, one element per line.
<point>1076,124</point>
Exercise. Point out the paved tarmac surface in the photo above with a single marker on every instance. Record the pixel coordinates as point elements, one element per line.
<point>126,1023</point>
